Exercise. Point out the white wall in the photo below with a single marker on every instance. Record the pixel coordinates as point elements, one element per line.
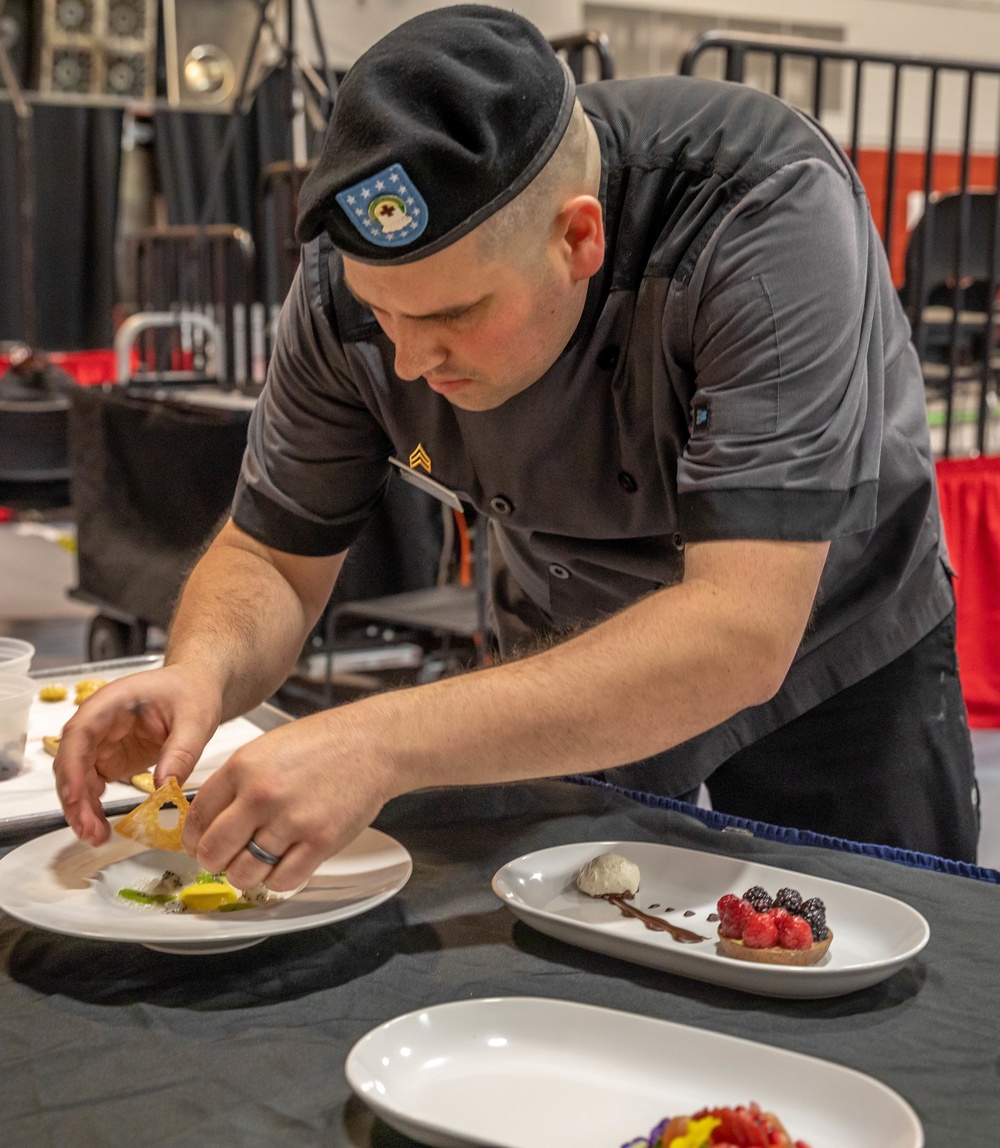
<point>962,29</point>
<point>350,27</point>
<point>959,29</point>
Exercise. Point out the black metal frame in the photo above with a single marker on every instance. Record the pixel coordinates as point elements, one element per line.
<point>277,210</point>
<point>736,48</point>
<point>576,48</point>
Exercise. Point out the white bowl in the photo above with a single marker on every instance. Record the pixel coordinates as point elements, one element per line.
<point>16,694</point>
<point>15,657</point>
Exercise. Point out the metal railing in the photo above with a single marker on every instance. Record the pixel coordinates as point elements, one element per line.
<point>582,46</point>
<point>211,270</point>
<point>957,344</point>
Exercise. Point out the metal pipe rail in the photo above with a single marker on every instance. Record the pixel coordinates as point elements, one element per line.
<point>134,325</point>
<point>210,269</point>
<point>969,263</point>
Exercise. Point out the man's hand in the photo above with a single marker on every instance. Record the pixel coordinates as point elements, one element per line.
<point>302,791</point>
<point>163,717</point>
<point>243,617</point>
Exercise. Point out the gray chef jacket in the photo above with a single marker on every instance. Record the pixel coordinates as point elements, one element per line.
<point>742,369</point>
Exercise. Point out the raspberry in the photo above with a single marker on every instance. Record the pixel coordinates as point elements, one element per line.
<point>730,1127</point>
<point>725,903</point>
<point>814,911</point>
<point>778,913</point>
<point>760,932</point>
<point>791,899</point>
<point>794,933</point>
<point>758,897</point>
<point>732,921</point>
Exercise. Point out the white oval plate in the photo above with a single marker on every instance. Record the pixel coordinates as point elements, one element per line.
<point>873,935</point>
<point>57,882</point>
<point>528,1072</point>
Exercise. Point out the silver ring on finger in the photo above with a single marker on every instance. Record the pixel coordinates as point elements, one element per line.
<point>262,854</point>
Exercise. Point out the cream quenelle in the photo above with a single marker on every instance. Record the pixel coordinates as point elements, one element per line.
<point>609,874</point>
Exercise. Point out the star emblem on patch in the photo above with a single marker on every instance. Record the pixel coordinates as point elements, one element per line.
<point>394,211</point>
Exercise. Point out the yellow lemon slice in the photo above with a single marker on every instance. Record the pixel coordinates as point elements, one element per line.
<point>209,895</point>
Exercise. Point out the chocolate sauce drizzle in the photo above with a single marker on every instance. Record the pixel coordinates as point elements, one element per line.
<point>655,924</point>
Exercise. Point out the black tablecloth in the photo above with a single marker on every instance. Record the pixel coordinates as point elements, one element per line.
<point>113,1044</point>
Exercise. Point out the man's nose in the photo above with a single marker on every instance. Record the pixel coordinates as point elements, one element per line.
<point>418,350</point>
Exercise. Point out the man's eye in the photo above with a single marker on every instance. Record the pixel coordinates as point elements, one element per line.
<point>456,316</point>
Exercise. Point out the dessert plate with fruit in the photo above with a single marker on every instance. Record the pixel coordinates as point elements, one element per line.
<point>719,919</point>
<point>532,1072</point>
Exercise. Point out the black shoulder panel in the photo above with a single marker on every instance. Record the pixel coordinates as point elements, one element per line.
<point>681,152</point>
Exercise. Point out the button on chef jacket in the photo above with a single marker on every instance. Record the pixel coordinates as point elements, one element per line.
<point>742,369</point>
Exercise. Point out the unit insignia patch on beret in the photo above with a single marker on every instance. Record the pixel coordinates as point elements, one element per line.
<point>386,208</point>
<point>469,100</point>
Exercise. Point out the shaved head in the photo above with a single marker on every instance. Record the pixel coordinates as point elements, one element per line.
<point>519,231</point>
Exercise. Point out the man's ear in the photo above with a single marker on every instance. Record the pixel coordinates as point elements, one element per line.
<point>579,232</point>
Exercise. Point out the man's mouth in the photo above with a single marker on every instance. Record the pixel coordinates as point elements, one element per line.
<point>447,386</point>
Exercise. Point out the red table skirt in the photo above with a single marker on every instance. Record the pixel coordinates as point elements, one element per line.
<point>87,367</point>
<point>969,489</point>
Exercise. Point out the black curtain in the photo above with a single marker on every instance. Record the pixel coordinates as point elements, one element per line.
<point>77,153</point>
<point>152,480</point>
<point>76,161</point>
<point>188,145</point>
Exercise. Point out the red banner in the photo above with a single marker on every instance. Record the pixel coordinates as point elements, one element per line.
<point>970,504</point>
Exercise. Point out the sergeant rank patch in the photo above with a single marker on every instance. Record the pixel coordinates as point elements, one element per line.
<point>420,457</point>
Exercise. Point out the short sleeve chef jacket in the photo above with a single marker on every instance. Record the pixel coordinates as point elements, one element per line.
<point>742,369</point>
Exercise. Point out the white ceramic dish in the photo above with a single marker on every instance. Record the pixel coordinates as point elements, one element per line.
<point>527,1072</point>
<point>28,800</point>
<point>57,882</point>
<point>874,935</point>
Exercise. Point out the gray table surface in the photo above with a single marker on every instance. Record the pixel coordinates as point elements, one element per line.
<point>114,1044</point>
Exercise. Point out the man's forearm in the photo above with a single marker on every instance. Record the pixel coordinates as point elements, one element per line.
<point>241,623</point>
<point>599,700</point>
<point>662,671</point>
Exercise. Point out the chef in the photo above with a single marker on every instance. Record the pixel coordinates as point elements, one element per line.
<point>648,329</point>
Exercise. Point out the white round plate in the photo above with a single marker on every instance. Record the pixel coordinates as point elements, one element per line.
<point>57,882</point>
<point>873,935</point>
<point>528,1072</point>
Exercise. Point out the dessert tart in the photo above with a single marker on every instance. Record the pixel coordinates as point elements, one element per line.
<point>779,930</point>
<point>775,954</point>
<point>746,1124</point>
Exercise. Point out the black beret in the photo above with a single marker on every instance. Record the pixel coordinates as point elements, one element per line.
<point>435,128</point>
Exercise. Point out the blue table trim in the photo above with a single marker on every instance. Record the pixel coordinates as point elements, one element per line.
<point>788,836</point>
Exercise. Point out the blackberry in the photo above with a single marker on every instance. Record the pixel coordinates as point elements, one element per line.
<point>759,897</point>
<point>814,912</point>
<point>790,899</point>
